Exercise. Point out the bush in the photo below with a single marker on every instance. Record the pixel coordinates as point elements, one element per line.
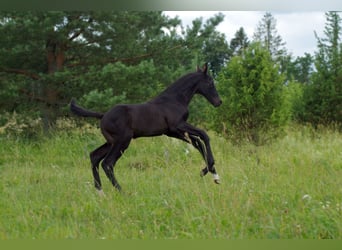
<point>255,104</point>
<point>15,125</point>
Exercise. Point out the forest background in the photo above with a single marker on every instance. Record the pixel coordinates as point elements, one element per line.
<point>105,58</point>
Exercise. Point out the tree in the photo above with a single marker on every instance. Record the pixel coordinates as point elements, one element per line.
<point>54,52</point>
<point>251,89</point>
<point>301,69</point>
<point>239,43</point>
<point>101,58</point>
<point>266,33</point>
<point>208,44</point>
<point>324,95</point>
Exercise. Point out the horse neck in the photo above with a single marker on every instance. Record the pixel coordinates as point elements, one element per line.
<point>183,89</point>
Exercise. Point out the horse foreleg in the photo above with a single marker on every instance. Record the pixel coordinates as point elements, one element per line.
<point>193,140</point>
<point>198,138</point>
<point>199,145</point>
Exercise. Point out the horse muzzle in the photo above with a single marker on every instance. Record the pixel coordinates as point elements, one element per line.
<point>217,102</point>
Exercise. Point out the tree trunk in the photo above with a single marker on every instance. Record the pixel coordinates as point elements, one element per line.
<point>55,61</point>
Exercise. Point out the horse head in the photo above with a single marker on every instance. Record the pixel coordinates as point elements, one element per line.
<point>206,87</point>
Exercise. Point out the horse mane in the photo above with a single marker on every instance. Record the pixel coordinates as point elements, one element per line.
<point>181,84</point>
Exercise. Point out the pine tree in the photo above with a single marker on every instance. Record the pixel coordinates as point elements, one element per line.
<point>98,57</point>
<point>208,44</point>
<point>324,95</point>
<point>302,68</point>
<point>266,33</point>
<point>239,43</point>
<point>48,57</point>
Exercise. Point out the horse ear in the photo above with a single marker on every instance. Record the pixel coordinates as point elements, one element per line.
<point>205,68</point>
<point>198,69</point>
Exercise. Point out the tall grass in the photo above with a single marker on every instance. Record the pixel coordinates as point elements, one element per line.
<point>290,189</point>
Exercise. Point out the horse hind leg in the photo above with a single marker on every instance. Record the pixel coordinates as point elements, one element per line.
<point>113,156</point>
<point>109,170</point>
<point>96,157</point>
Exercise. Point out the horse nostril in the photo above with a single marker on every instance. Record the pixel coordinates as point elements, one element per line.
<point>219,102</point>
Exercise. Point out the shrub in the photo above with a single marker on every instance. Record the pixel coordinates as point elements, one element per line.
<point>255,106</point>
<point>14,125</point>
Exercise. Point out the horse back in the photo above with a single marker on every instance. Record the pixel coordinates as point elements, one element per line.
<point>137,119</point>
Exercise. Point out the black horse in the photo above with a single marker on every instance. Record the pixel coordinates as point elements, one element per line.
<point>166,114</point>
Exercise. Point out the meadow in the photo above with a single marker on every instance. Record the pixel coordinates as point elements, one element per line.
<point>289,189</point>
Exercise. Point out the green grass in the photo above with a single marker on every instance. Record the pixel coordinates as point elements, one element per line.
<point>290,189</point>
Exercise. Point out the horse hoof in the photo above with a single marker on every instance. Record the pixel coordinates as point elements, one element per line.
<point>101,193</point>
<point>217,181</point>
<point>203,172</point>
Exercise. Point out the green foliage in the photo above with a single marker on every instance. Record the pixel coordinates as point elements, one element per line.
<point>102,100</point>
<point>301,69</point>
<point>239,43</point>
<point>118,83</point>
<point>10,87</point>
<point>47,58</point>
<point>207,44</point>
<point>294,100</point>
<point>105,57</point>
<point>323,96</point>
<point>254,103</point>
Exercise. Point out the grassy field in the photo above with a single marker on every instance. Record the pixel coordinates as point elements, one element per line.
<point>290,189</point>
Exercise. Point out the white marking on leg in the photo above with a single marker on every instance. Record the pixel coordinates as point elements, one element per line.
<point>216,178</point>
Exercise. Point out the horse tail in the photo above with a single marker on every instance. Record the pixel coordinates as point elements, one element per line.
<point>77,110</point>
